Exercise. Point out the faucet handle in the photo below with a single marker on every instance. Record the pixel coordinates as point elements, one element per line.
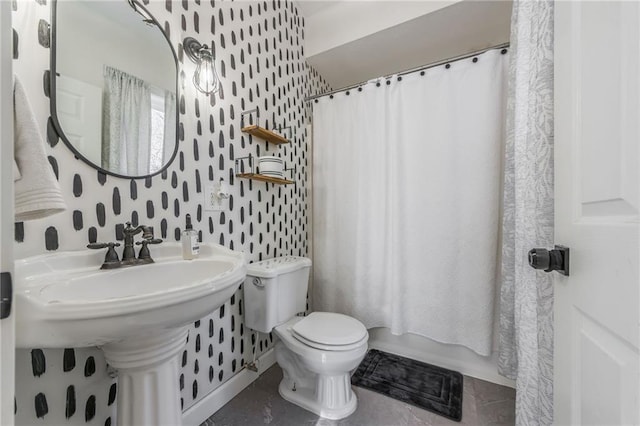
<point>111,259</point>
<point>149,241</point>
<point>97,245</point>
<point>144,253</point>
<point>147,234</point>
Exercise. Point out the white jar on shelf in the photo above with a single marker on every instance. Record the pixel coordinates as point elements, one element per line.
<point>271,166</point>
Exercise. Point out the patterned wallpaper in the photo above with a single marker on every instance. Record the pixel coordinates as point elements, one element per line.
<point>258,47</point>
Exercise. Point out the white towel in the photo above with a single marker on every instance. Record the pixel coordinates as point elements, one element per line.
<point>37,193</point>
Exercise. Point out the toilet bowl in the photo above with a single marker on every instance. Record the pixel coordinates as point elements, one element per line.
<point>317,375</point>
<point>317,353</point>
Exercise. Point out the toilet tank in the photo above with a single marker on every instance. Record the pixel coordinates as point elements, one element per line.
<point>275,290</point>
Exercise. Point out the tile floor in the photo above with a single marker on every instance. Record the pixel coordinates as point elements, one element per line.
<point>484,403</point>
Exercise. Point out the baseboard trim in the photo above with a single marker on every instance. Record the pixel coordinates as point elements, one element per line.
<point>207,406</point>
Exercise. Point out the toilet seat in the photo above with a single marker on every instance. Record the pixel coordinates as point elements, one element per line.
<point>330,331</point>
<point>329,348</point>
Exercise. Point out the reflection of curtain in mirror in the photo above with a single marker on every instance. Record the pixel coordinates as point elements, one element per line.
<point>126,123</point>
<point>169,125</point>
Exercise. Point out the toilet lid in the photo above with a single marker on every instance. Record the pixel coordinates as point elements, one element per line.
<point>327,328</point>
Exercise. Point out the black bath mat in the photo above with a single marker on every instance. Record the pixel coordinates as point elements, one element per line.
<point>424,385</point>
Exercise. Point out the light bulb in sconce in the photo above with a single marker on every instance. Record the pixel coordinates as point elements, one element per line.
<point>205,77</point>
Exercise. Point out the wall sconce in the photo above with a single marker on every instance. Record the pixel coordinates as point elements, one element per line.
<point>205,77</point>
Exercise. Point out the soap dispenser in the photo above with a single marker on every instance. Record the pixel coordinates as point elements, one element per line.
<point>190,243</point>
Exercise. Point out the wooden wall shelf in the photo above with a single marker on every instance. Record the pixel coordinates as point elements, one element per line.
<point>264,178</point>
<point>265,134</point>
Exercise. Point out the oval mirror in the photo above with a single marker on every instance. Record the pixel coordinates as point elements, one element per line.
<point>113,86</point>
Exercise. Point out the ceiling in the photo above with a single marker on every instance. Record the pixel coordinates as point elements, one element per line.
<point>311,7</point>
<point>350,41</point>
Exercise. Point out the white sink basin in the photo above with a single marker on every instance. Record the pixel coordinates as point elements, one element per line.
<point>138,315</point>
<point>64,300</point>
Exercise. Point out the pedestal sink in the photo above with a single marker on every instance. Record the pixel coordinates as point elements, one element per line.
<point>138,315</point>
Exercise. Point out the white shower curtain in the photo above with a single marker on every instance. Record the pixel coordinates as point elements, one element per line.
<point>406,201</point>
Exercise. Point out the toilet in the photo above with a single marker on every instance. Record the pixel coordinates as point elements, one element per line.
<point>317,353</point>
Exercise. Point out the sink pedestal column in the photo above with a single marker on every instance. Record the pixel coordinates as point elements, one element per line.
<point>148,392</point>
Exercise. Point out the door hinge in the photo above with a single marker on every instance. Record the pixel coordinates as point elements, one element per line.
<point>6,294</point>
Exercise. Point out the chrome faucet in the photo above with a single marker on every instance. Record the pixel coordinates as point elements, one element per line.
<point>111,259</point>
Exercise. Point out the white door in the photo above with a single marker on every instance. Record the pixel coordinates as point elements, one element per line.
<point>597,122</point>
<point>79,109</point>
<point>7,340</point>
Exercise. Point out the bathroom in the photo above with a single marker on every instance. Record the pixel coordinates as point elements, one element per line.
<point>274,55</point>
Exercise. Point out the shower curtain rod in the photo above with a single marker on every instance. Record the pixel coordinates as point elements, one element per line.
<point>412,70</point>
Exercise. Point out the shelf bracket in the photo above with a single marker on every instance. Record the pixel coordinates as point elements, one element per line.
<point>249,113</point>
<point>292,170</point>
<point>239,165</point>
<point>290,128</point>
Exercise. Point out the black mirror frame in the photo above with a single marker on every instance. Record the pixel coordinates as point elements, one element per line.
<point>52,97</point>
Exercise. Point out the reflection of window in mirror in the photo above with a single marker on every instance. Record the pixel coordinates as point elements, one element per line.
<point>156,150</point>
<point>134,125</point>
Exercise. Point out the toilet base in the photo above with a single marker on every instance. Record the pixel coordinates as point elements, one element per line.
<point>319,400</point>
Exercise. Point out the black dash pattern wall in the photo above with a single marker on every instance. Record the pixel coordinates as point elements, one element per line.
<point>259,53</point>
